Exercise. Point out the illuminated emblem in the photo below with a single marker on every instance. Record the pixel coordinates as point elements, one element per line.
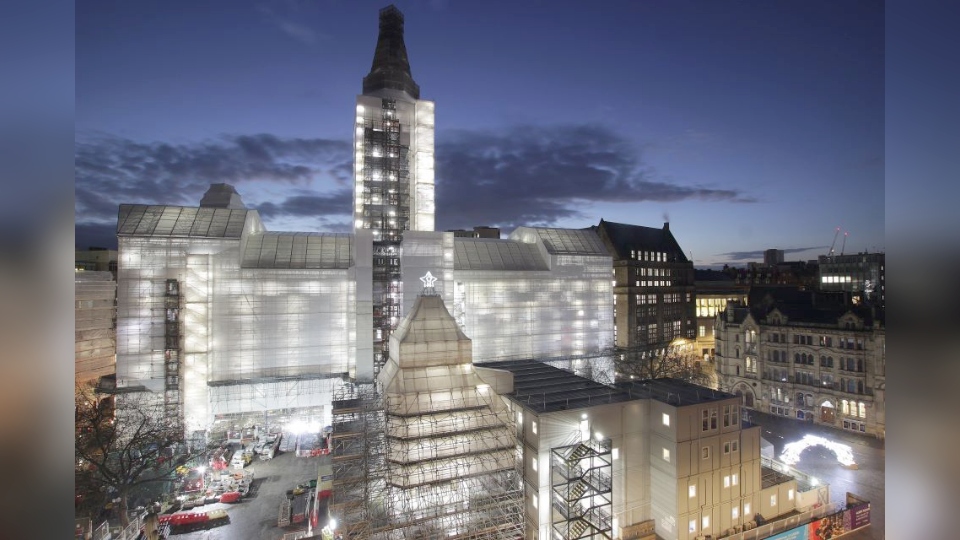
<point>428,281</point>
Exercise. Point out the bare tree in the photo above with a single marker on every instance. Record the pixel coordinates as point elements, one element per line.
<point>125,446</point>
<point>676,361</point>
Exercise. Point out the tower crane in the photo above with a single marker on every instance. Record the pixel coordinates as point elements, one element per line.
<point>834,241</point>
<point>844,244</point>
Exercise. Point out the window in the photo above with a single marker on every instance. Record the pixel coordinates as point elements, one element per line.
<point>703,331</point>
<point>735,513</point>
<point>706,420</point>
<point>734,445</point>
<point>773,500</point>
<point>726,481</point>
<point>734,480</point>
<point>706,522</point>
<point>666,455</point>
<point>536,502</point>
<point>533,463</point>
<point>746,509</point>
<point>705,452</point>
<point>713,418</point>
<point>862,409</point>
<point>693,525</point>
<point>692,490</point>
<point>789,494</point>
<point>533,427</point>
<point>666,419</point>
<point>726,448</point>
<point>616,453</point>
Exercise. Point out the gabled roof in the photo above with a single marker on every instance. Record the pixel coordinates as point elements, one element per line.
<point>623,238</point>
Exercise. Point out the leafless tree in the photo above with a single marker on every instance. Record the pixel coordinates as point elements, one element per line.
<point>123,446</point>
<point>679,362</point>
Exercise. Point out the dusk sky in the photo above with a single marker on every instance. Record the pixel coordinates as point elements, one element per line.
<point>748,125</point>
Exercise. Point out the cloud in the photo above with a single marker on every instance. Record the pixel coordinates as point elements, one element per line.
<point>309,205</point>
<point>110,171</point>
<point>537,175</point>
<point>749,255</point>
<point>283,19</point>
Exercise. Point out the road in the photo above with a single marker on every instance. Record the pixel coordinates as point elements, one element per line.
<point>867,481</point>
<point>255,518</point>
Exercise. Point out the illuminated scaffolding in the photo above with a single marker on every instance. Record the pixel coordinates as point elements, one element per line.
<point>447,449</point>
<point>226,320</point>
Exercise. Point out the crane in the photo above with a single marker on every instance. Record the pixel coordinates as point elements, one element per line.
<point>844,244</point>
<point>834,241</point>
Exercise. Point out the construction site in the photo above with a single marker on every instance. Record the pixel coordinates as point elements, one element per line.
<point>428,450</point>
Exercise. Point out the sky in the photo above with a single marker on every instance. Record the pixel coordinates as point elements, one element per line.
<point>747,125</point>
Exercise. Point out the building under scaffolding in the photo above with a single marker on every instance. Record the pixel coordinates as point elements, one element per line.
<point>224,319</point>
<point>445,466</point>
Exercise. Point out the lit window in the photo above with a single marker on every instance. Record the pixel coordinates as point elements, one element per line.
<point>666,419</point>
<point>734,480</point>
<point>536,502</point>
<point>734,513</point>
<point>692,490</point>
<point>773,500</point>
<point>693,525</point>
<point>534,463</point>
<point>616,453</point>
<point>706,522</point>
<point>790,495</point>
<point>726,481</point>
<point>666,455</point>
<point>746,509</point>
<point>863,410</point>
<point>533,427</point>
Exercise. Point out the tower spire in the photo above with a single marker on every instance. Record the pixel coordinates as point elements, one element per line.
<point>391,68</point>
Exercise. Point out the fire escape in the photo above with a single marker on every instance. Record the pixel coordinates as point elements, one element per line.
<point>582,490</point>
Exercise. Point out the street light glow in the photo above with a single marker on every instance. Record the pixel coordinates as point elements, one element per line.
<point>791,452</point>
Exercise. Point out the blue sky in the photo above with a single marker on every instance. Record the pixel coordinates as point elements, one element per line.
<point>748,125</point>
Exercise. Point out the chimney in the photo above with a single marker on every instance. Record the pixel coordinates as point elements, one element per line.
<point>666,225</point>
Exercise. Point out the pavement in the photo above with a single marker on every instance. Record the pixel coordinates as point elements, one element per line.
<point>255,517</point>
<point>867,481</point>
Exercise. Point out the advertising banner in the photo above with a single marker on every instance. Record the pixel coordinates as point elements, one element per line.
<point>856,516</point>
<point>827,528</point>
<point>800,533</point>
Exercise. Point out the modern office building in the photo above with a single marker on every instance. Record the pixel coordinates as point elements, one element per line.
<point>862,274</point>
<point>806,355</point>
<point>393,170</point>
<point>772,257</point>
<point>653,286</point>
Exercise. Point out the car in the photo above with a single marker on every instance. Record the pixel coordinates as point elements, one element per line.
<point>231,497</point>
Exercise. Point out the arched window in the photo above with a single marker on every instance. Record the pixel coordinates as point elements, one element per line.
<point>799,398</point>
<point>860,365</point>
<point>859,387</point>
<point>796,358</point>
<point>863,409</point>
<point>823,361</point>
<point>737,352</point>
<point>845,407</point>
<point>829,361</point>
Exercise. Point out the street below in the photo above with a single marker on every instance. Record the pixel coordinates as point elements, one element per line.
<point>866,481</point>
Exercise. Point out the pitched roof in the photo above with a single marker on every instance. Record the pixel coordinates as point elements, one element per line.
<point>180,221</point>
<point>295,250</point>
<point>623,238</point>
<point>495,254</point>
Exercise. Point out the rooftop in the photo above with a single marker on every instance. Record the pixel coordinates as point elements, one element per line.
<point>545,389</point>
<point>294,250</point>
<point>673,391</point>
<point>494,254</point>
<point>623,238</point>
<point>180,221</point>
